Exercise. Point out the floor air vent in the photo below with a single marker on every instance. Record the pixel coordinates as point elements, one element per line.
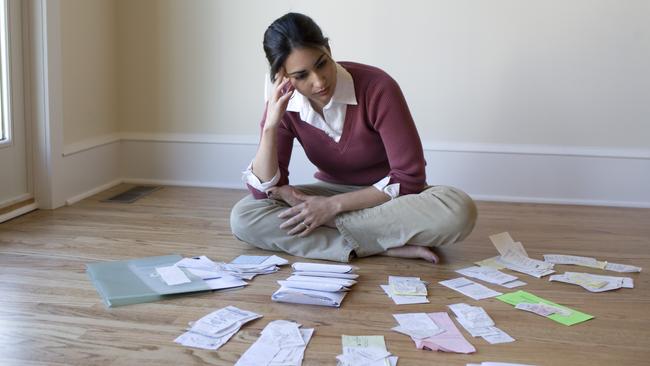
<point>133,194</point>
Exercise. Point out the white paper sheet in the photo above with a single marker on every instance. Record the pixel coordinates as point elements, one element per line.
<point>487,274</point>
<point>470,288</point>
<point>319,267</point>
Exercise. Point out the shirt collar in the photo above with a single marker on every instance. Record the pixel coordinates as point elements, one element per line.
<point>343,94</point>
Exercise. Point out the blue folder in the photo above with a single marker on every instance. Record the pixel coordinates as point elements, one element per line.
<point>136,281</point>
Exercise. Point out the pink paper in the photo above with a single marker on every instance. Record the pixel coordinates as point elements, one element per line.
<point>449,341</point>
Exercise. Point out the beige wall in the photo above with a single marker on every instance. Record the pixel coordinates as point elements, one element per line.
<point>504,72</point>
<point>88,55</point>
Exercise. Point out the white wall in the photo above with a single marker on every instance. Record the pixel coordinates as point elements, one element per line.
<point>89,70</point>
<point>499,72</point>
<point>551,95</point>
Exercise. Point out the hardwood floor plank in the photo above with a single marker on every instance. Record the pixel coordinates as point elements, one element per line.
<point>50,313</point>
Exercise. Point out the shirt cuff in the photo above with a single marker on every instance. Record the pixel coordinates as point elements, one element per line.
<point>251,179</point>
<point>392,190</point>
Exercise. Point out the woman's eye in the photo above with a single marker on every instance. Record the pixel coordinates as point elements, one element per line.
<point>321,64</point>
<point>299,77</point>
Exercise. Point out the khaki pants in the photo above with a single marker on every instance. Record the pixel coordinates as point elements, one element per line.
<point>438,216</point>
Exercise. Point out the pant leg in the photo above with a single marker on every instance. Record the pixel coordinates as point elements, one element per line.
<point>257,223</point>
<point>438,216</point>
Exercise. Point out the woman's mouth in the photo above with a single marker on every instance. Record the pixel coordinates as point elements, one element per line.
<point>322,92</point>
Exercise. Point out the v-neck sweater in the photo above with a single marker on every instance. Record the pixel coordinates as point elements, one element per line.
<point>379,138</point>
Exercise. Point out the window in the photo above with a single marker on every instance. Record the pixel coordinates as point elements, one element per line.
<point>4,78</point>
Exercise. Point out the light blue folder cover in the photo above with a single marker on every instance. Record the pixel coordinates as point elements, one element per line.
<point>136,281</point>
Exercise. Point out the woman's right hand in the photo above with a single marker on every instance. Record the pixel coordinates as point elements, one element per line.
<point>278,100</point>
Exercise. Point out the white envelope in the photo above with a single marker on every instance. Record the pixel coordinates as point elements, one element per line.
<point>319,267</point>
<point>336,281</point>
<point>316,286</point>
<point>350,276</point>
<point>308,297</point>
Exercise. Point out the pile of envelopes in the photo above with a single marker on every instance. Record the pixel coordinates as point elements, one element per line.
<point>316,284</point>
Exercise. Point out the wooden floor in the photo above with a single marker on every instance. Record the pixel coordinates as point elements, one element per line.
<point>50,314</point>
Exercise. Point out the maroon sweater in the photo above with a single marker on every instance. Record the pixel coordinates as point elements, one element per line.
<point>379,138</point>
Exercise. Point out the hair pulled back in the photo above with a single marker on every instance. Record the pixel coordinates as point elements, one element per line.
<point>290,31</point>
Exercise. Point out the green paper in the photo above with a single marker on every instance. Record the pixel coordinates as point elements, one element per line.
<point>517,297</point>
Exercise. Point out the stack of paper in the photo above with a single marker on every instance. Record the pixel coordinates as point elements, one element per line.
<point>365,351</point>
<point>469,288</point>
<point>563,315</point>
<point>406,290</point>
<point>491,275</point>
<point>437,333</point>
<point>589,262</point>
<point>514,256</point>
<point>220,275</point>
<point>316,284</point>
<point>215,329</point>
<point>281,343</point>
<point>479,324</point>
<point>594,283</point>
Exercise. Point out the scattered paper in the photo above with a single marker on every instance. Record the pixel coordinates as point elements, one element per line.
<point>520,296</point>
<point>250,259</point>
<point>469,288</point>
<point>623,268</point>
<point>451,340</point>
<point>416,325</point>
<point>492,262</point>
<point>542,309</point>
<point>592,282</point>
<point>280,343</point>
<point>513,256</point>
<point>404,300</point>
<point>590,262</point>
<point>215,329</point>
<point>365,351</point>
<point>479,324</point>
<point>503,243</point>
<point>574,260</point>
<point>490,275</point>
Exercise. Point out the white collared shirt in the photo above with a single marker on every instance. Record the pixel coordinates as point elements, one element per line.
<point>331,122</point>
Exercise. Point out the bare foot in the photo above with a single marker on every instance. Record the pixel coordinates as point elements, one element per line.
<point>413,251</point>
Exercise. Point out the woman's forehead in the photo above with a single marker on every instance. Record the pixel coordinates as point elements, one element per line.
<point>301,59</point>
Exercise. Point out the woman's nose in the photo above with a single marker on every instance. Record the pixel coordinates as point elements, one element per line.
<point>318,81</point>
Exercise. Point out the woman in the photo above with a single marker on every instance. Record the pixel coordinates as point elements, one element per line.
<point>355,127</point>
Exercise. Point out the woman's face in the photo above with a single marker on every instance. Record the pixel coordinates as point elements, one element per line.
<point>313,73</point>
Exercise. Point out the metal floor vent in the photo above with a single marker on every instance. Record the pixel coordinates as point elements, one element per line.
<point>133,194</point>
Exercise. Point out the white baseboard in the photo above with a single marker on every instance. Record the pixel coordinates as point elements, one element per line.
<point>17,212</point>
<point>93,191</point>
<point>511,173</point>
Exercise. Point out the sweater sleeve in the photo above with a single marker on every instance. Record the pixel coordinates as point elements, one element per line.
<point>392,119</point>
<point>285,147</point>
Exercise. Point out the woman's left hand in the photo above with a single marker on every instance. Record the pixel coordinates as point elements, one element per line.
<point>314,211</point>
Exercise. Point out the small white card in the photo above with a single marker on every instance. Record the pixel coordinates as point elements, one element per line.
<point>172,275</point>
